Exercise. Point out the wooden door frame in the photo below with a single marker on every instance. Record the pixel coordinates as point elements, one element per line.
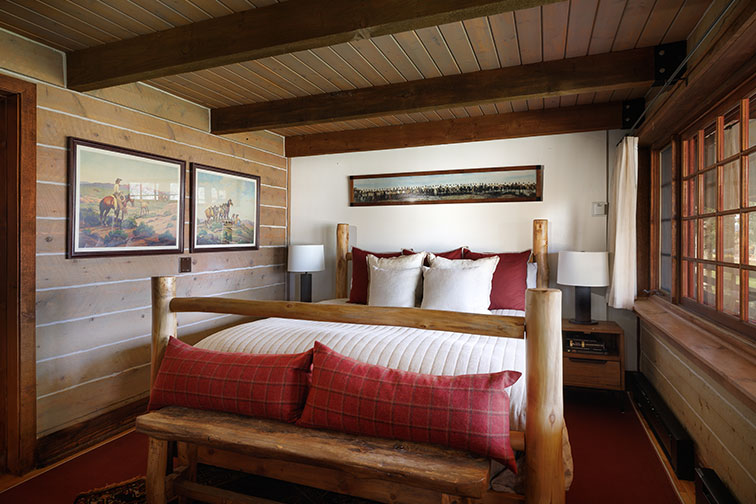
<point>20,394</point>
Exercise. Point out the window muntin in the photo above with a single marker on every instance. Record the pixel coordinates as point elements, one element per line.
<point>666,215</point>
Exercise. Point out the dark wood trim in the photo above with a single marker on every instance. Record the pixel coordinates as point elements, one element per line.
<point>288,27</point>
<point>73,144</point>
<point>75,438</point>
<point>730,61</point>
<point>193,216</point>
<point>643,221</point>
<point>471,129</point>
<point>19,332</point>
<point>599,72</point>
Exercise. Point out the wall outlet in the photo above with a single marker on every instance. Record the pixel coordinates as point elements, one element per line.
<point>185,264</point>
<point>599,208</point>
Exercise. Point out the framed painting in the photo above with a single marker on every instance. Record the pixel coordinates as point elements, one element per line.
<point>477,185</point>
<point>225,210</point>
<point>123,202</point>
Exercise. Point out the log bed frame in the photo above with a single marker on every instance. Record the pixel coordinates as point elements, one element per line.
<point>383,470</point>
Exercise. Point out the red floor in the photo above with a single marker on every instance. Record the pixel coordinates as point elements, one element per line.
<point>615,462</point>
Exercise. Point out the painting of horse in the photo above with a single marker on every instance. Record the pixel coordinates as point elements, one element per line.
<point>105,182</point>
<point>215,194</point>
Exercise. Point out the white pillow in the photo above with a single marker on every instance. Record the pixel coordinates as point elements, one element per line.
<point>393,287</point>
<point>400,262</point>
<point>485,262</point>
<point>462,289</point>
<point>409,262</point>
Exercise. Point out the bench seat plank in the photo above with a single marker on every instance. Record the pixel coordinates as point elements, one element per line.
<point>441,469</point>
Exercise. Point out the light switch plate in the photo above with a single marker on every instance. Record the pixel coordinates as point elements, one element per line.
<point>185,264</point>
<point>598,208</point>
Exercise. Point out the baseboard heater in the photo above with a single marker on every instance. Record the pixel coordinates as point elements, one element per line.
<point>710,489</point>
<point>674,440</point>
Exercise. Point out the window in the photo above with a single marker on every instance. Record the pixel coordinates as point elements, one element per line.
<point>718,222</point>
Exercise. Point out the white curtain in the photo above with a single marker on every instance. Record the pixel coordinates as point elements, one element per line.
<point>622,236</point>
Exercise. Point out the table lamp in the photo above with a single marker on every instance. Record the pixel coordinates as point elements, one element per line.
<point>306,259</point>
<point>583,270</point>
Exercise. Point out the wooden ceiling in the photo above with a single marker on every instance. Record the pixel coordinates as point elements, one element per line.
<point>545,33</point>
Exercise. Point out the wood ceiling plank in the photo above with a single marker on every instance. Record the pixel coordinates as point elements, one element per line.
<point>578,75</point>
<point>416,51</point>
<point>261,33</point>
<point>325,70</point>
<point>36,32</point>
<point>360,64</point>
<point>145,16</point>
<point>568,101</point>
<point>224,80</point>
<point>585,98</point>
<point>434,43</point>
<point>633,21</point>
<point>113,19</point>
<point>243,77</point>
<point>445,114</point>
<point>300,68</point>
<point>213,7</point>
<point>686,20</point>
<point>602,97</point>
<point>481,39</point>
<point>659,22</point>
<point>79,18</point>
<point>459,45</point>
<point>396,55</point>
<point>605,27</point>
<point>504,107</point>
<point>514,125</point>
<point>551,102</point>
<point>474,111</point>
<point>459,112</point>
<point>159,9</point>
<point>370,52</point>
<point>50,25</point>
<point>278,66</point>
<point>340,66</point>
<point>488,109</point>
<point>535,104</point>
<point>529,35</point>
<point>504,33</point>
<point>580,28</point>
<point>204,82</point>
<point>555,18</point>
<point>180,87</point>
<point>238,5</point>
<point>271,78</point>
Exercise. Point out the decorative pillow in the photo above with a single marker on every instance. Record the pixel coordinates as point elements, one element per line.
<point>414,261</point>
<point>452,254</point>
<point>265,386</point>
<point>358,293</point>
<point>465,287</point>
<point>468,412</point>
<point>510,279</point>
<point>393,287</point>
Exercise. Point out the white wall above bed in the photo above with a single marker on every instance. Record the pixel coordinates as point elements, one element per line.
<point>575,168</point>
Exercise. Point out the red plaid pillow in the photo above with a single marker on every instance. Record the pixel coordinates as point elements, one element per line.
<point>509,281</point>
<point>266,386</point>
<point>358,293</point>
<point>468,412</point>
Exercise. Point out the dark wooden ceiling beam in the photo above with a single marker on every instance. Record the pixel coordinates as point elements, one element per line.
<point>600,72</point>
<point>472,129</point>
<point>282,28</point>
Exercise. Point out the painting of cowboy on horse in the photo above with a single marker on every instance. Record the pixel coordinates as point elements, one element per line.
<point>225,209</point>
<point>125,202</point>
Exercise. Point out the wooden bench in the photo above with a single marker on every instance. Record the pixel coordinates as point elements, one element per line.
<point>458,476</point>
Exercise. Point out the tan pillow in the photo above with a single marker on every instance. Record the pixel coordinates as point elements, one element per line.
<point>464,287</point>
<point>393,287</point>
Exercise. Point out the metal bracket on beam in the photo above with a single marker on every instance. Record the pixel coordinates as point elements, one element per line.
<point>631,112</point>
<point>667,57</point>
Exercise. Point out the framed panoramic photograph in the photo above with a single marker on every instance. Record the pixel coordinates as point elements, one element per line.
<point>477,185</point>
<point>123,202</point>
<point>225,210</point>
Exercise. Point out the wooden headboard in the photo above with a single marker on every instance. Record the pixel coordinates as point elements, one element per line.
<point>540,256</point>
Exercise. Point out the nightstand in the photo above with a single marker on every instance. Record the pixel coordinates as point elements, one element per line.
<point>596,358</point>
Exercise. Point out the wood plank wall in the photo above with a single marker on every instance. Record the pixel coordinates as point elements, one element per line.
<point>93,315</point>
<point>722,427</point>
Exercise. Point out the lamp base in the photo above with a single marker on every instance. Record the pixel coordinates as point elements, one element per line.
<point>305,287</point>
<point>583,306</point>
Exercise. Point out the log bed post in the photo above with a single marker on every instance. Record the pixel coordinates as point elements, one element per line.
<point>541,251</point>
<point>164,323</point>
<point>544,471</point>
<point>342,270</point>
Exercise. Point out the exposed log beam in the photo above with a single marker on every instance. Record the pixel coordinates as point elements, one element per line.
<point>472,129</point>
<point>282,28</point>
<point>601,72</point>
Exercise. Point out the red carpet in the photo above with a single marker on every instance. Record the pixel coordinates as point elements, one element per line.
<point>615,462</point>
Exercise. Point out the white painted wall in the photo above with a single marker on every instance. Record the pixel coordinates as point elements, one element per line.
<point>575,175</point>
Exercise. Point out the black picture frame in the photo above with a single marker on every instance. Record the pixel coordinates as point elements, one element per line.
<point>214,221</point>
<point>153,190</point>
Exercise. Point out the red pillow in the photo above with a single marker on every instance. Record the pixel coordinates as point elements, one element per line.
<point>468,412</point>
<point>358,294</point>
<point>452,254</point>
<point>510,280</point>
<point>265,386</point>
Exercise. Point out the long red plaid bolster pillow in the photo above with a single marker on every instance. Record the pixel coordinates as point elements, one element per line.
<point>468,412</point>
<point>265,386</point>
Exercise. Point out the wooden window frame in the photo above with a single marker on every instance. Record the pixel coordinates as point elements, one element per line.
<point>740,99</point>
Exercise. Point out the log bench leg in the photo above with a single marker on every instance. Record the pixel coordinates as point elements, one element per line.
<point>157,462</point>
<point>188,457</point>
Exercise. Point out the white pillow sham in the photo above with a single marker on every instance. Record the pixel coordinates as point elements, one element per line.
<point>393,287</point>
<point>463,288</point>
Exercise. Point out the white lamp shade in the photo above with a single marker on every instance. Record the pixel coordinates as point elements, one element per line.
<point>306,258</point>
<point>583,269</point>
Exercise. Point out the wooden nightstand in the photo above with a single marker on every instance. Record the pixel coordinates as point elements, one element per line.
<point>593,370</point>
